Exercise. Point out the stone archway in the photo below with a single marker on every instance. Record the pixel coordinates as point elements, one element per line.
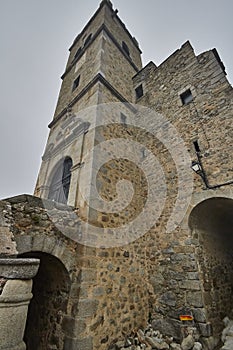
<point>211,223</point>
<point>48,306</point>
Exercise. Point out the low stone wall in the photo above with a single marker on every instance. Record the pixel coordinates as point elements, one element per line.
<point>106,293</point>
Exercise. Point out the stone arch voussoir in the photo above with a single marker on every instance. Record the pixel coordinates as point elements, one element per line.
<point>54,246</point>
<point>199,197</point>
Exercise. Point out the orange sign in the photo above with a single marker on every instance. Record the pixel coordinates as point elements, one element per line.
<point>186,318</point>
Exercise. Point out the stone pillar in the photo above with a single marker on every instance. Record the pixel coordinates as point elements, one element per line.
<point>15,295</point>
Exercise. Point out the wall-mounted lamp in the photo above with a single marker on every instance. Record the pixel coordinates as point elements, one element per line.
<point>196,167</point>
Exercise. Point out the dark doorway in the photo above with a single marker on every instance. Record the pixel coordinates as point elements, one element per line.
<point>211,223</point>
<point>48,306</point>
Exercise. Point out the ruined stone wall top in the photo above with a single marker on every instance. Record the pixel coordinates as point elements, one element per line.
<point>7,242</point>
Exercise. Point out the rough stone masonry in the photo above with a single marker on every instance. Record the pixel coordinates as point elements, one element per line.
<point>91,296</point>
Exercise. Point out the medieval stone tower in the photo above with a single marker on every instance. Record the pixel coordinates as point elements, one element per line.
<point>103,59</point>
<point>98,282</point>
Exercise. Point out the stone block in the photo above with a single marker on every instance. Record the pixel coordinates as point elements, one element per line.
<point>167,327</point>
<point>49,244</point>
<point>205,329</point>
<point>38,243</point>
<point>210,343</point>
<point>194,299</point>
<point>24,269</point>
<point>207,298</point>
<point>88,275</point>
<point>75,344</point>
<point>187,343</point>
<point>87,308</point>
<point>192,276</point>
<point>2,219</point>
<point>197,346</point>
<point>199,315</point>
<point>168,298</point>
<point>24,243</point>
<point>98,291</point>
<point>73,327</point>
<point>190,284</point>
<point>7,243</point>
<point>84,289</point>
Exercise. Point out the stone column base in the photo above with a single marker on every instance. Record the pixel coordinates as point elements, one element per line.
<point>14,300</point>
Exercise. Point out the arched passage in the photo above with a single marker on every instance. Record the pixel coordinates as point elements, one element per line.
<point>48,306</point>
<point>211,222</point>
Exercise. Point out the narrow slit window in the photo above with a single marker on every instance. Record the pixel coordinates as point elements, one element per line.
<point>123,119</point>
<point>88,39</point>
<point>125,48</point>
<point>78,53</point>
<point>196,146</point>
<point>76,83</point>
<point>186,97</point>
<point>139,91</point>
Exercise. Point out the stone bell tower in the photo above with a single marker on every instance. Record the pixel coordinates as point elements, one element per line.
<point>136,267</point>
<point>103,59</point>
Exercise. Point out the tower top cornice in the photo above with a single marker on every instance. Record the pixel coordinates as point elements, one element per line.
<point>106,2</point>
<point>115,14</point>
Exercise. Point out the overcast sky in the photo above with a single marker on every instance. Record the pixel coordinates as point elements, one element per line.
<point>35,36</point>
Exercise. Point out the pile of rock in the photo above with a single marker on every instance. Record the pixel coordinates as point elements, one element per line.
<point>150,338</point>
<point>227,334</point>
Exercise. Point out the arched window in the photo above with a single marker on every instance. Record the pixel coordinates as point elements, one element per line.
<point>60,185</point>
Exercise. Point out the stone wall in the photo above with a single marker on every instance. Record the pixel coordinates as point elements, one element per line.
<point>99,60</point>
<point>163,273</point>
<point>68,138</point>
<point>82,295</point>
<point>7,242</point>
<point>36,236</point>
<point>207,119</point>
<point>214,256</point>
<point>172,258</point>
<point>167,265</point>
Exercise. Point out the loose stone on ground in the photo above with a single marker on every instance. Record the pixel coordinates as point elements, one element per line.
<point>149,339</point>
